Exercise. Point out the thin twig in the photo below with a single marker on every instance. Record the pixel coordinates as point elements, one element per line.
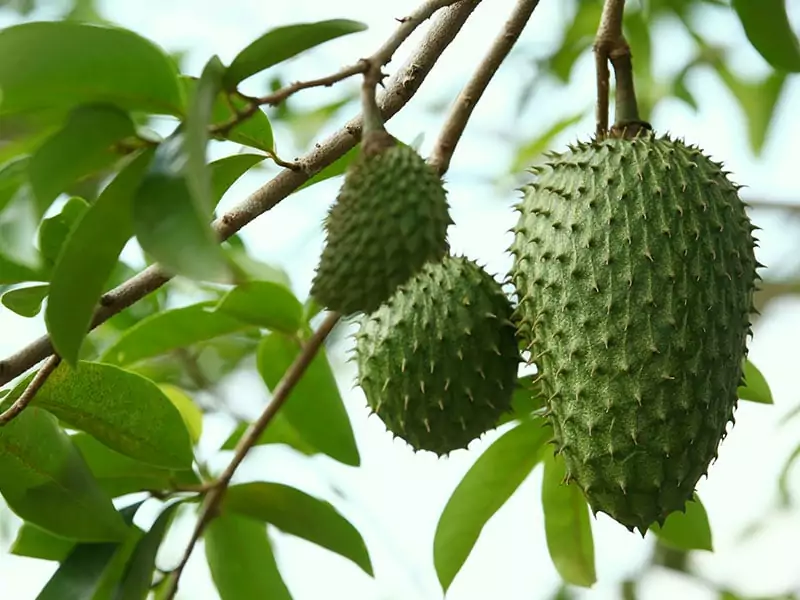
<point>609,37</point>
<point>214,495</point>
<point>27,395</point>
<point>384,54</point>
<point>468,98</point>
<point>398,92</point>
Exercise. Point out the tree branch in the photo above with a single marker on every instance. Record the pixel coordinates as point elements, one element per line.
<point>215,493</point>
<point>398,92</point>
<point>27,395</point>
<point>384,54</point>
<point>468,98</point>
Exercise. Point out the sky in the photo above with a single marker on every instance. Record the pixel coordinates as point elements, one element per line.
<point>396,496</point>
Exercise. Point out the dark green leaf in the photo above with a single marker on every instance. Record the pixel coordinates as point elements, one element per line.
<point>88,258</point>
<point>241,561</point>
<point>84,146</point>
<point>25,301</point>
<point>170,330</point>
<point>680,91</point>
<point>91,571</point>
<point>265,304</point>
<point>766,24</point>
<point>314,407</point>
<point>36,542</point>
<point>756,388</point>
<point>226,171</point>
<point>118,474</point>
<point>13,174</point>
<point>280,431</point>
<point>255,131</point>
<point>283,43</point>
<point>170,225</point>
<point>248,268</point>
<point>577,39</point>
<point>125,411</point>
<point>45,481</point>
<point>687,531</point>
<point>297,513</point>
<point>54,231</point>
<point>488,484</point>
<point>13,272</point>
<point>137,579</point>
<point>567,526</point>
<point>63,64</point>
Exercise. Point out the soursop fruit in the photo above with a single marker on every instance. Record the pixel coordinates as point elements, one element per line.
<point>635,270</point>
<point>438,362</point>
<point>390,218</point>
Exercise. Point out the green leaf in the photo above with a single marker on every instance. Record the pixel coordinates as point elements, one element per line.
<point>54,231</point>
<point>125,411</point>
<point>687,531</point>
<point>25,301</point>
<point>783,478</point>
<point>335,169</point>
<point>91,571</point>
<point>299,514</point>
<point>59,65</point>
<point>766,24</point>
<point>83,147</point>
<point>757,100</point>
<point>265,304</point>
<point>255,131</point>
<point>314,407</point>
<point>248,268</point>
<point>88,258</point>
<point>535,148</point>
<point>35,542</point>
<point>190,412</point>
<point>567,526</point>
<point>756,388</point>
<point>12,272</point>
<point>488,484</point>
<point>170,330</point>
<point>199,117</point>
<point>45,481</point>
<point>241,561</point>
<point>136,581</point>
<point>528,398</point>
<point>170,225</point>
<point>118,474</point>
<point>282,43</point>
<point>13,174</point>
<point>226,171</point>
<point>280,431</point>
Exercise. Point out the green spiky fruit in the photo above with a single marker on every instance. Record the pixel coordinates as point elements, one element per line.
<point>438,362</point>
<point>390,218</point>
<point>635,269</point>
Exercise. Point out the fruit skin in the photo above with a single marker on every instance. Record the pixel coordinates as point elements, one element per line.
<point>438,362</point>
<point>390,218</point>
<point>634,265</point>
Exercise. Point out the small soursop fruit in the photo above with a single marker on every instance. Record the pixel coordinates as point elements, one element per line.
<point>390,218</point>
<point>438,362</point>
<point>634,265</point>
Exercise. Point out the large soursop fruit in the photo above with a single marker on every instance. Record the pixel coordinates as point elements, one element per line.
<point>635,270</point>
<point>438,362</point>
<point>390,218</point>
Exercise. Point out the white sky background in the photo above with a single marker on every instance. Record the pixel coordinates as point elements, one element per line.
<point>395,497</point>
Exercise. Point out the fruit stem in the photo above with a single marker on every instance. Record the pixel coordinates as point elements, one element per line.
<point>610,45</point>
<point>373,119</point>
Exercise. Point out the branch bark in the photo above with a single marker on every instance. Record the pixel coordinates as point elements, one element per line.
<point>468,98</point>
<point>215,493</point>
<point>399,91</point>
<point>27,395</point>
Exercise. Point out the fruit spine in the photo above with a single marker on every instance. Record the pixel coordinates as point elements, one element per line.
<point>635,269</point>
<point>438,362</point>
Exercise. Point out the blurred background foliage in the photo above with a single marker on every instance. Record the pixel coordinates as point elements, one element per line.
<point>652,28</point>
